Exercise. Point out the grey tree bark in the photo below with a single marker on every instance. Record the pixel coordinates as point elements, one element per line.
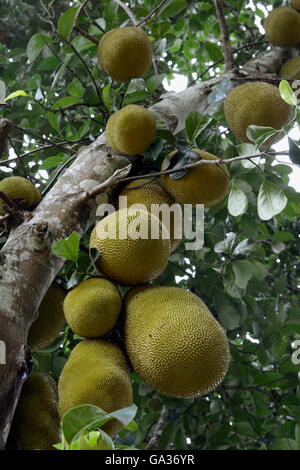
<point>27,265</point>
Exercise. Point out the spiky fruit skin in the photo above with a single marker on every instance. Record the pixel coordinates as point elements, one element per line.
<point>147,192</point>
<point>282,27</point>
<point>291,70</point>
<point>50,320</point>
<point>296,4</point>
<point>36,422</point>
<point>96,373</point>
<point>125,53</point>
<point>131,130</point>
<point>125,259</point>
<point>206,184</point>
<point>173,341</point>
<point>256,103</point>
<point>92,308</point>
<point>19,187</point>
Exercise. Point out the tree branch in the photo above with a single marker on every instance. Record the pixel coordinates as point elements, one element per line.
<point>225,34</point>
<point>127,11</point>
<point>152,13</point>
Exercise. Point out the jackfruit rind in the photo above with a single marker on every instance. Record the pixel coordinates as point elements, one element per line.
<point>173,341</point>
<point>96,373</point>
<point>92,308</point>
<point>131,130</point>
<point>19,187</point>
<point>282,27</point>
<point>204,184</point>
<point>291,69</point>
<point>148,192</point>
<point>296,4</point>
<point>36,422</point>
<point>125,258</point>
<point>125,53</point>
<point>256,103</point>
<point>50,320</point>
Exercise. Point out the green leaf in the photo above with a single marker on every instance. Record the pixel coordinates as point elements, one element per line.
<point>176,45</point>
<point>180,439</point>
<point>294,152</point>
<point>95,440</point>
<point>48,64</point>
<point>260,134</point>
<point>297,435</point>
<point>132,426</point>
<point>237,201</point>
<point>53,119</point>
<point>214,51</point>
<point>68,248</point>
<point>154,82</point>
<point>51,162</point>
<point>66,22</point>
<point>271,200</point>
<point>243,271</point>
<point>75,88</point>
<point>172,8</point>
<point>66,102</point>
<point>229,317</point>
<point>15,94</point>
<point>106,96</point>
<point>287,93</point>
<point>35,47</point>
<point>283,237</point>
<point>167,435</point>
<point>287,444</point>
<point>136,96</point>
<point>259,270</point>
<point>2,92</point>
<point>195,123</point>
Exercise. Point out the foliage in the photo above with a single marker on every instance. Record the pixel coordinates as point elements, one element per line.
<point>247,270</point>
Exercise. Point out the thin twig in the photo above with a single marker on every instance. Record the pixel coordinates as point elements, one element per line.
<point>26,173</point>
<point>116,177</point>
<point>155,10</point>
<point>44,139</point>
<point>127,11</point>
<point>225,35</point>
<point>81,8</point>
<point>86,35</point>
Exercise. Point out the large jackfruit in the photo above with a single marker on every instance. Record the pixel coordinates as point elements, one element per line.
<point>296,4</point>
<point>173,341</point>
<point>16,187</point>
<point>92,308</point>
<point>129,252</point>
<point>36,422</point>
<point>96,373</point>
<point>282,27</point>
<point>256,103</point>
<point>204,184</point>
<point>125,53</point>
<point>50,320</point>
<point>131,130</point>
<point>148,192</point>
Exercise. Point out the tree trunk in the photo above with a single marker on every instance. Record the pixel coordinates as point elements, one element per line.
<point>27,265</point>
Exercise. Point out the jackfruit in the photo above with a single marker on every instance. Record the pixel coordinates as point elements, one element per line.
<point>131,130</point>
<point>204,184</point>
<point>291,71</point>
<point>36,422</point>
<point>296,4</point>
<point>50,320</point>
<point>96,373</point>
<point>173,341</point>
<point>131,252</point>
<point>18,187</point>
<point>147,192</point>
<point>282,27</point>
<point>256,103</point>
<point>92,308</point>
<point>125,53</point>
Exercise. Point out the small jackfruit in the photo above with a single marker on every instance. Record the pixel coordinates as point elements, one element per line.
<point>50,320</point>
<point>36,422</point>
<point>96,373</point>
<point>282,27</point>
<point>125,53</point>
<point>173,341</point>
<point>131,130</point>
<point>147,192</point>
<point>92,308</point>
<point>291,70</point>
<point>204,184</point>
<point>296,4</point>
<point>16,187</point>
<point>257,103</point>
<point>134,249</point>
